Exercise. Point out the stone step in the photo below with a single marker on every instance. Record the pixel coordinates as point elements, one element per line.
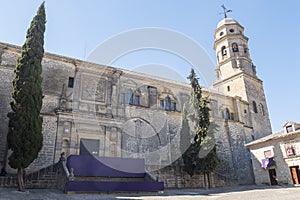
<point>103,186</point>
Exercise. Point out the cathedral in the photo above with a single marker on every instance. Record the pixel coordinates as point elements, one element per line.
<point>94,109</point>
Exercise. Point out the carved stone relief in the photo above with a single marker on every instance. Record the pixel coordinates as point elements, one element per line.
<point>93,88</point>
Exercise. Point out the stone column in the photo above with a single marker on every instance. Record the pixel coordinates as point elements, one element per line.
<point>107,141</point>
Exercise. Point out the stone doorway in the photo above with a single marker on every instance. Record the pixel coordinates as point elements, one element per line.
<point>273,177</point>
<point>89,147</point>
<point>295,174</point>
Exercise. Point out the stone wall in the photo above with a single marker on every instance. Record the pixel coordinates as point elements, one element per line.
<point>235,162</point>
<point>51,177</point>
<point>96,108</point>
<point>277,150</point>
<point>46,155</point>
<point>260,119</point>
<point>6,74</point>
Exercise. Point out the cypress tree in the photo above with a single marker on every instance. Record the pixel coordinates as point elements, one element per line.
<point>200,115</point>
<point>194,161</point>
<point>25,137</point>
<point>185,135</point>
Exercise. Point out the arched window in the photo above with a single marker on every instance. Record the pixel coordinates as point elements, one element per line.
<point>227,113</point>
<point>168,103</point>
<point>254,106</point>
<point>262,110</point>
<point>245,49</point>
<point>228,88</point>
<point>235,47</point>
<point>223,50</point>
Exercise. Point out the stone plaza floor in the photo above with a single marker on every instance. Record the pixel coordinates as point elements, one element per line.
<point>224,193</point>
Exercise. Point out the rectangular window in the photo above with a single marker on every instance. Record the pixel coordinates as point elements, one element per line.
<point>71,82</point>
<point>232,116</point>
<point>168,103</point>
<point>161,104</point>
<point>289,129</point>
<point>290,150</point>
<point>136,100</point>
<point>173,106</point>
<point>129,97</point>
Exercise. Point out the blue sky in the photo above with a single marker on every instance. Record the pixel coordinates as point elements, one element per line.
<point>76,28</point>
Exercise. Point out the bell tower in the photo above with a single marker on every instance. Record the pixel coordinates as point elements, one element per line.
<point>236,74</point>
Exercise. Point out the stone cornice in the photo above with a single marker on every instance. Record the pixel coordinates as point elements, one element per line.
<point>231,36</point>
<point>87,66</point>
<point>236,76</point>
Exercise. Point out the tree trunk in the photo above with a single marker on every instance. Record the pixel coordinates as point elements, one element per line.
<point>205,181</point>
<point>21,186</point>
<point>208,180</point>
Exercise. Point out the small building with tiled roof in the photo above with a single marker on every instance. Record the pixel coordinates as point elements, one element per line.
<point>276,157</point>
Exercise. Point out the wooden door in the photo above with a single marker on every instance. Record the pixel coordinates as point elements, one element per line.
<point>295,174</point>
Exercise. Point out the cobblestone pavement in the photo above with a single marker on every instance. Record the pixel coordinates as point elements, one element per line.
<point>226,193</point>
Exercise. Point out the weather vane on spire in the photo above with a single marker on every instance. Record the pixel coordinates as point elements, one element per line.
<point>225,11</point>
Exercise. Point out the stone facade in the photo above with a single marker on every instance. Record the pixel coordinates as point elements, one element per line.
<point>113,112</point>
<point>284,149</point>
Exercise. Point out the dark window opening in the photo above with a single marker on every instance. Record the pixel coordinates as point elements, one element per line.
<point>273,177</point>
<point>228,88</point>
<point>136,100</point>
<point>235,47</point>
<point>161,104</point>
<point>245,49</point>
<point>223,50</point>
<point>173,106</point>
<point>231,30</point>
<point>129,97</point>
<point>245,111</point>
<point>227,113</point>
<point>289,129</point>
<point>231,116</point>
<point>262,110</point>
<point>168,103</point>
<point>254,107</point>
<point>71,82</point>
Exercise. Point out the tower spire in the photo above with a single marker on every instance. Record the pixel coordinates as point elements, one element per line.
<point>225,11</point>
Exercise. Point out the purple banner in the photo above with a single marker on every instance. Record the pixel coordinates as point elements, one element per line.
<point>267,162</point>
<point>104,166</point>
